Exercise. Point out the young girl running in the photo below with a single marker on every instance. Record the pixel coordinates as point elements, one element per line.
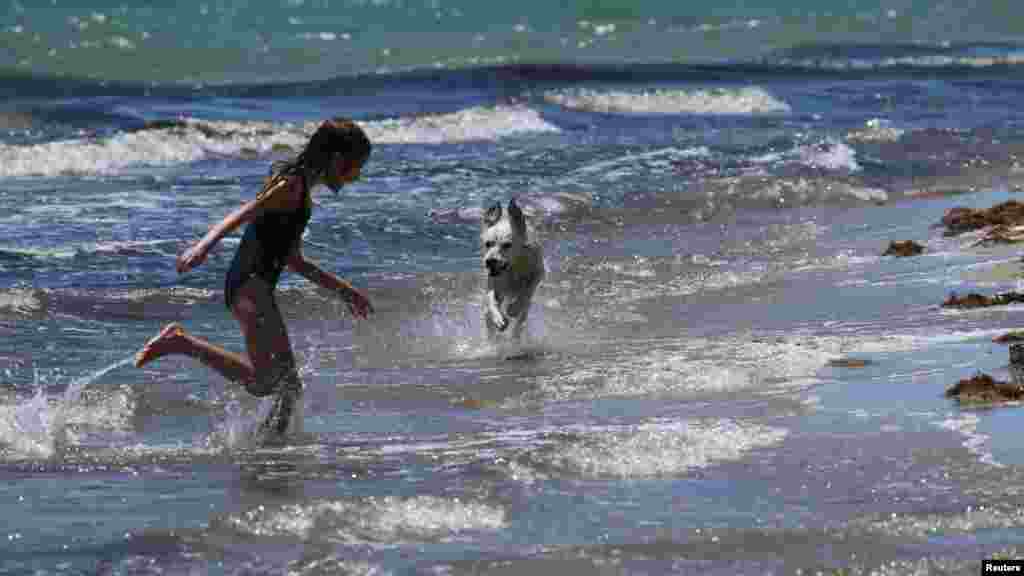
<point>276,219</point>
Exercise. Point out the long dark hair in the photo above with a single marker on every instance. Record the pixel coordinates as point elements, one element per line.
<point>334,136</point>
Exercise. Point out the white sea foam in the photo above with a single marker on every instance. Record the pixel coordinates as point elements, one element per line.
<point>664,448</point>
<point>194,140</point>
<point>676,285</point>
<point>701,368</point>
<point>534,205</point>
<point>324,36</point>
<point>725,192</point>
<point>67,252</point>
<point>929,61</point>
<point>745,100</point>
<point>876,130</point>
<point>639,267</point>
<point>478,123</point>
<point>125,247</point>
<point>117,153</point>
<point>830,155</point>
<point>335,564</point>
<point>20,301</point>
<point>966,424</point>
<point>662,161</point>
<point>375,519</point>
<point>122,247</point>
<point>969,521</point>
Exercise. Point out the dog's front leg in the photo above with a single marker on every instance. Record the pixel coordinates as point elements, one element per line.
<point>494,310</point>
<point>518,306</point>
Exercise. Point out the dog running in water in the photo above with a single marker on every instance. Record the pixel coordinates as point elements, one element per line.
<point>514,266</point>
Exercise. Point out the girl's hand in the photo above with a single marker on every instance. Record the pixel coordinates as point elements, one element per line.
<point>358,304</point>
<point>191,258</point>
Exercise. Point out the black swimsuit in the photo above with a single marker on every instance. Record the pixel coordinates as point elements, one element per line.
<point>266,245</point>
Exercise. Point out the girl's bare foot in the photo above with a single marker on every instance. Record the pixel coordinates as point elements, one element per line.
<point>159,345</point>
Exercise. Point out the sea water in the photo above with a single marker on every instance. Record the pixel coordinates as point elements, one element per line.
<point>713,188</point>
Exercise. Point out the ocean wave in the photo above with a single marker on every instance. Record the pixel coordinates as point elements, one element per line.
<point>173,142</point>
<point>743,100</point>
<point>869,56</point>
<point>40,254</point>
<point>828,155</point>
<point>660,161</point>
<point>932,61</point>
<point>477,123</point>
<point>187,143</point>
<point>22,301</point>
<point>168,303</point>
<point>31,254</point>
<point>536,205</point>
<point>556,81</point>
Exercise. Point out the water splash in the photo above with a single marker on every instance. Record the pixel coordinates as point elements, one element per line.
<point>239,429</point>
<point>455,330</point>
<point>74,390</point>
<point>38,427</point>
<point>242,420</point>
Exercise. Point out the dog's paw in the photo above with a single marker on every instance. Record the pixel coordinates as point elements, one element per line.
<point>499,320</point>
<point>502,323</point>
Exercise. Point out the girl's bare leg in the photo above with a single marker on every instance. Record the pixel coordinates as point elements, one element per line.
<point>268,349</point>
<point>267,345</point>
<point>174,340</point>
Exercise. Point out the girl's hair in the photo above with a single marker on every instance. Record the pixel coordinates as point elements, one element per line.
<point>334,136</point>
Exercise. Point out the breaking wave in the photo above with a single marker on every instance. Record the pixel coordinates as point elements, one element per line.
<point>168,143</point>
<point>745,100</point>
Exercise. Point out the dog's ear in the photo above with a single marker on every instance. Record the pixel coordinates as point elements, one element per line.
<point>517,217</point>
<point>492,214</point>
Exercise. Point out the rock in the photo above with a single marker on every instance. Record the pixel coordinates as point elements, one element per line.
<point>1003,234</point>
<point>959,219</point>
<point>904,248</point>
<point>984,389</point>
<point>974,300</point>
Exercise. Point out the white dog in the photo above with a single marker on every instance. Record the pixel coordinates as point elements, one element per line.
<point>514,265</point>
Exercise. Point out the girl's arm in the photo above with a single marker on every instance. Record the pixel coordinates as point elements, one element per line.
<point>358,304</point>
<point>278,194</point>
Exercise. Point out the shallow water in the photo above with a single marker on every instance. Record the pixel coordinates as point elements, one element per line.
<point>712,227</point>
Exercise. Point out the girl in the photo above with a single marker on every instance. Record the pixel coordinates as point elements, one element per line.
<point>276,219</point>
